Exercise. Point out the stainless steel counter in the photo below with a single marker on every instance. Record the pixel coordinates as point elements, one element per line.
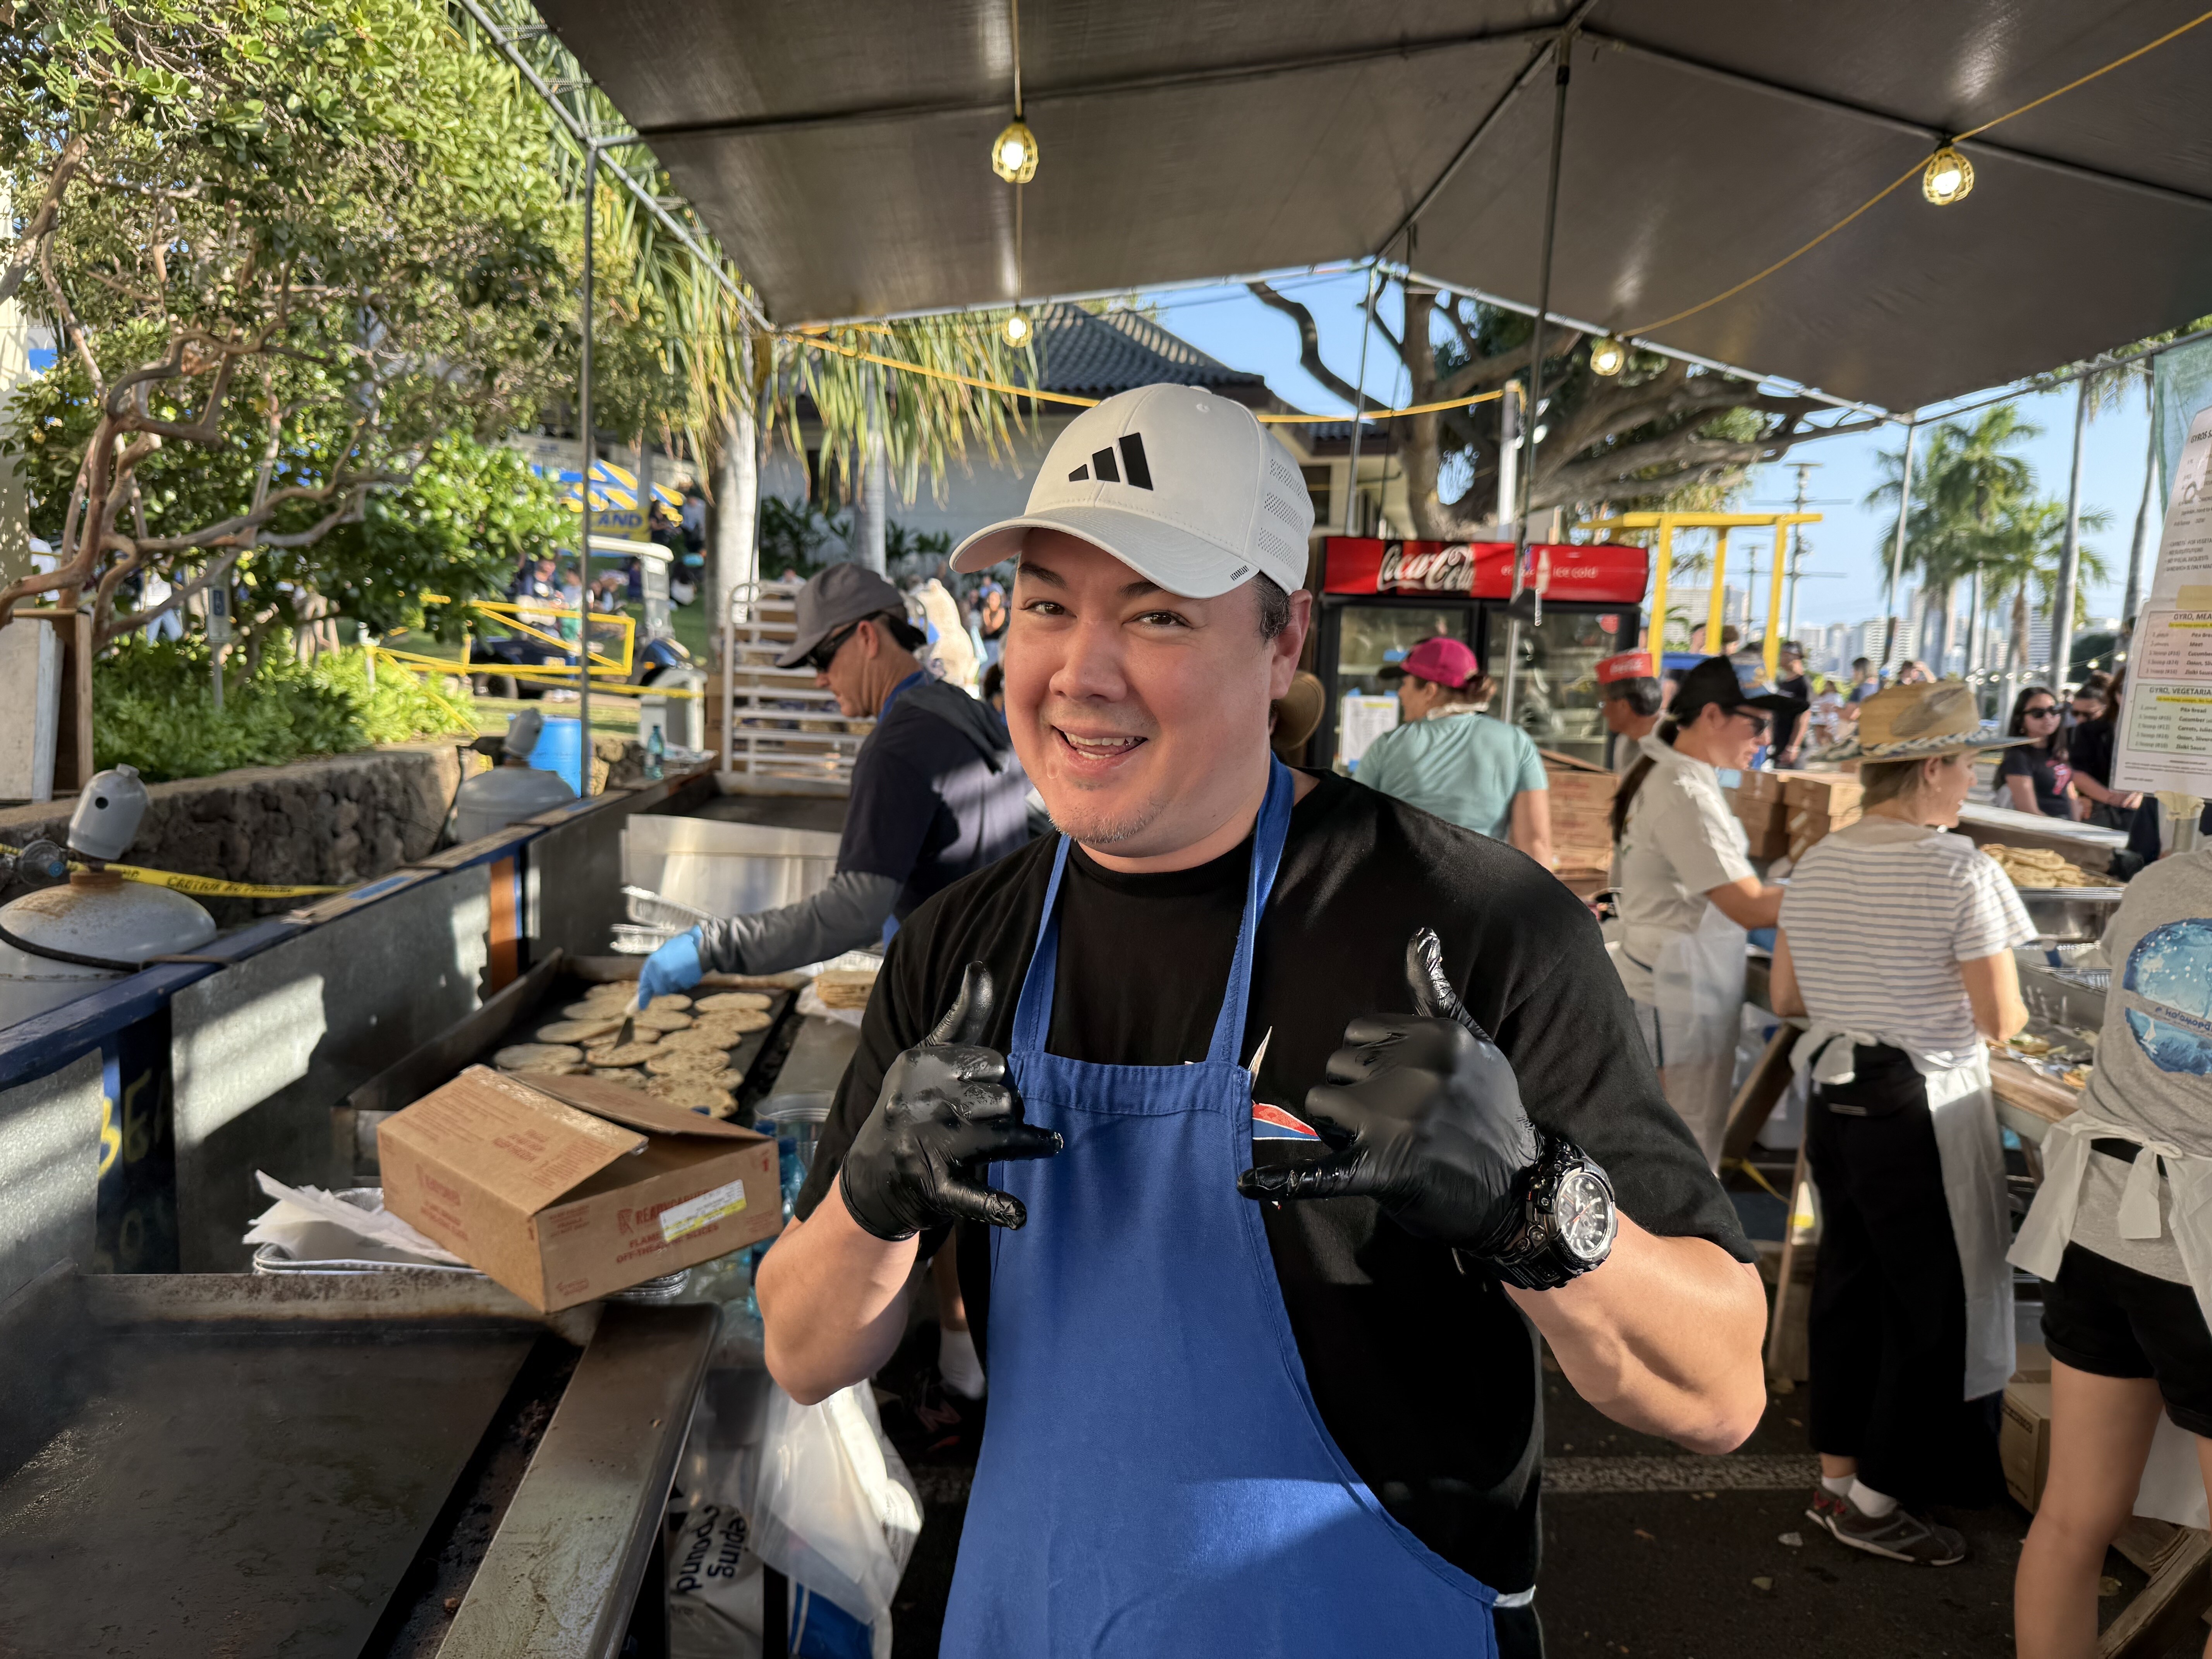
<point>227,1464</point>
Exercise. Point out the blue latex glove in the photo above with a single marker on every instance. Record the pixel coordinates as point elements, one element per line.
<point>674,967</point>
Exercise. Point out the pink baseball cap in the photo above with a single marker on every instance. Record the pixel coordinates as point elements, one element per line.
<point>1440,660</point>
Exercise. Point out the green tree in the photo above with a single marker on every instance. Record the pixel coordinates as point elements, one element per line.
<point>291,253</point>
<point>721,381</point>
<point>1660,433</point>
<point>1975,514</point>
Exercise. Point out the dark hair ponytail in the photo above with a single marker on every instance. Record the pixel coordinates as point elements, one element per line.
<point>1623,798</point>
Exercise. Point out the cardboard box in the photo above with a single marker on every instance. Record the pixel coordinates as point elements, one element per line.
<point>1581,810</point>
<point>1764,818</point>
<point>2024,1441</point>
<point>1808,827</point>
<point>1764,842</point>
<point>2034,1364</point>
<point>1829,792</point>
<point>567,1189</point>
<point>1765,787</point>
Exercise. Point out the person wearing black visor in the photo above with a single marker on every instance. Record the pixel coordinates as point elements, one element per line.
<point>1687,893</point>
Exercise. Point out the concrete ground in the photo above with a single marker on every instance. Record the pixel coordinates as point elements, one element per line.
<point>1649,1551</point>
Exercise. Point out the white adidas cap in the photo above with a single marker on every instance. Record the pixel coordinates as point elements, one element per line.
<point>1181,484</point>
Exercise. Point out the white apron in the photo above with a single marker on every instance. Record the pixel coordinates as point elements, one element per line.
<point>1693,1024</point>
<point>1972,1152</point>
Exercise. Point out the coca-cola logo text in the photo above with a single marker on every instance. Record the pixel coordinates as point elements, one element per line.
<point>1446,569</point>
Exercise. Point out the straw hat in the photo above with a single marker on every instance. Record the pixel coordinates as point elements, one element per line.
<point>1297,714</point>
<point>1920,722</point>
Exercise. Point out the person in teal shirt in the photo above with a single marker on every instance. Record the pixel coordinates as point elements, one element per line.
<point>1451,759</point>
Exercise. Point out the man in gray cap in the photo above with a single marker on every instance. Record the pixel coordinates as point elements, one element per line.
<point>937,792</point>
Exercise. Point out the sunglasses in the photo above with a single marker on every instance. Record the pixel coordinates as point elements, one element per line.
<point>2049,710</point>
<point>822,654</point>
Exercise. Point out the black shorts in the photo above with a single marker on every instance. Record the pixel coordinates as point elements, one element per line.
<point>2110,1320</point>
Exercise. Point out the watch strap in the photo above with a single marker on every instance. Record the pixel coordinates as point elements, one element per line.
<point>1533,1256</point>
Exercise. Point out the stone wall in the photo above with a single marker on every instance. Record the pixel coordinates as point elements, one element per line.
<point>329,822</point>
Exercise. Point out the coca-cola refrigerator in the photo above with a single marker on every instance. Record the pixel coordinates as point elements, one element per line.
<point>1380,598</point>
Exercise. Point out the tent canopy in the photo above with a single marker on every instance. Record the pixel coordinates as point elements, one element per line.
<point>840,151</point>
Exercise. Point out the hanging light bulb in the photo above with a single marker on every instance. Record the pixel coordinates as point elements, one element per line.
<point>1015,331</point>
<point>1608,357</point>
<point>1948,178</point>
<point>1014,152</point>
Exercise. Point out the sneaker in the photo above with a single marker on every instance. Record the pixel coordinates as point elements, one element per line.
<point>1901,1535</point>
<point>1827,1509</point>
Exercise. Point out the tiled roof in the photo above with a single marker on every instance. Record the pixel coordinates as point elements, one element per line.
<point>1092,355</point>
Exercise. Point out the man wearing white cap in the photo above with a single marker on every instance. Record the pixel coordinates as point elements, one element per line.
<point>1268,1213</point>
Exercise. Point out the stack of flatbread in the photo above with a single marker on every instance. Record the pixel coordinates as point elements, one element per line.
<point>2040,866</point>
<point>680,1048</point>
<point>845,987</point>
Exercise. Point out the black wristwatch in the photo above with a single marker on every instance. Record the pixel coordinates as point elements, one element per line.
<point>1568,1219</point>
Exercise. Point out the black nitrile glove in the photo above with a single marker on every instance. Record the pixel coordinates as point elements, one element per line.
<point>944,1112</point>
<point>1426,1116</point>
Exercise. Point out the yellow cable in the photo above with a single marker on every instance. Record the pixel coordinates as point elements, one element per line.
<point>1889,189</point>
<point>927,373</point>
<point>1910,173</point>
<point>2139,52</point>
<point>1386,414</point>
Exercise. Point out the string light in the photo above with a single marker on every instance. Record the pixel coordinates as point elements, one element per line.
<point>1947,178</point>
<point>1608,357</point>
<point>1014,152</point>
<point>1015,331</point>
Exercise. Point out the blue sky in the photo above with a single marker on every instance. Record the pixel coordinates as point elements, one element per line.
<point>1846,553</point>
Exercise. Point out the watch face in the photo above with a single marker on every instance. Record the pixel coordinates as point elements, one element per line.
<point>1585,1216</point>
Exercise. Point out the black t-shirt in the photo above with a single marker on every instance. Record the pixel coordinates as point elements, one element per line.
<point>2047,773</point>
<point>2089,752</point>
<point>1426,1377</point>
<point>937,792</point>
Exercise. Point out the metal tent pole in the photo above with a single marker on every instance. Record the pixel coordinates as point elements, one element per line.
<point>1897,547</point>
<point>584,494</point>
<point>1359,410</point>
<point>2070,557</point>
<point>2133,602</point>
<point>1535,411</point>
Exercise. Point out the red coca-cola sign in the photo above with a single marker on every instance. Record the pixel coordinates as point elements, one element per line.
<point>1603,571</point>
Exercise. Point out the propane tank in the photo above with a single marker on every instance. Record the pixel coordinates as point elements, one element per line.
<point>512,789</point>
<point>107,924</point>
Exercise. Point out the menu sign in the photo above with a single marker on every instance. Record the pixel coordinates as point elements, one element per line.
<point>1604,572</point>
<point>2166,717</point>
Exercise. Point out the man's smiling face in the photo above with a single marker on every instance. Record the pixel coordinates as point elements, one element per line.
<point>1140,715</point>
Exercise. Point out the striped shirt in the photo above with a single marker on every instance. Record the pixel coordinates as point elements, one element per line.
<point>1879,916</point>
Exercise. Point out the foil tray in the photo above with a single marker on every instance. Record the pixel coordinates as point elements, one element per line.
<point>273,1259</point>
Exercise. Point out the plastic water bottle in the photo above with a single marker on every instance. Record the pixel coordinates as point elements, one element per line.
<point>656,752</point>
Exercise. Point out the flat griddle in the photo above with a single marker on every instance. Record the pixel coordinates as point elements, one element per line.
<point>246,1467</point>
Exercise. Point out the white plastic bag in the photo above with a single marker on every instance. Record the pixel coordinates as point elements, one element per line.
<point>834,1509</point>
<point>714,1599</point>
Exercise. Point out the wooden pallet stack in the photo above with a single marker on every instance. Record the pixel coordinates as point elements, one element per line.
<point>786,734</point>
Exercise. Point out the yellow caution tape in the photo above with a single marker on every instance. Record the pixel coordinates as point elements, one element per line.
<point>200,886</point>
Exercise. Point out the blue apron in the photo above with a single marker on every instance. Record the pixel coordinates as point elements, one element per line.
<point>1155,1478</point>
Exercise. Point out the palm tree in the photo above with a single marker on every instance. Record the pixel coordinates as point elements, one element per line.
<point>1962,494</point>
<point>2020,554</point>
<point>680,357</point>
